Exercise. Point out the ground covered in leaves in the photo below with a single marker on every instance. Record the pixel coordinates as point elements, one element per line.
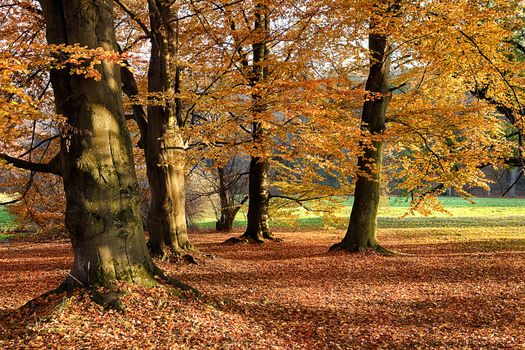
<point>447,288</point>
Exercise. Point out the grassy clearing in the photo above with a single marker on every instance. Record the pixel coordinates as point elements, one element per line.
<point>485,212</point>
<point>7,220</point>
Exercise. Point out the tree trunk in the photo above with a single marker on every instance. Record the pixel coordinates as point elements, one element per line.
<point>361,233</point>
<point>165,155</point>
<point>102,197</point>
<point>513,179</point>
<point>227,201</point>
<point>167,218</point>
<point>258,228</point>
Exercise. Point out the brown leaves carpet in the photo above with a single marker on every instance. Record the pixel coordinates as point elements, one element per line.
<point>453,289</point>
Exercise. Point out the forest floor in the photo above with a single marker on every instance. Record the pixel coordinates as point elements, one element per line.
<point>447,288</point>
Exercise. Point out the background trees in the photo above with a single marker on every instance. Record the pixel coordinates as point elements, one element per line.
<point>290,84</point>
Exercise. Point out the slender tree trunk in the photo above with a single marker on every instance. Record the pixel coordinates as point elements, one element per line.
<point>361,233</point>
<point>165,155</point>
<point>513,178</point>
<point>227,201</point>
<point>102,197</point>
<point>258,227</point>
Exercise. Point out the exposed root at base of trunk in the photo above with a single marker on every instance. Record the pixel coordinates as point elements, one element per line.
<point>175,255</point>
<point>243,240</point>
<point>109,299</point>
<point>33,303</point>
<point>273,239</point>
<point>378,249</point>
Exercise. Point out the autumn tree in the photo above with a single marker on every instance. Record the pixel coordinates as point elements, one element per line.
<point>95,159</point>
<point>431,109</point>
<point>361,233</point>
<point>162,125</point>
<point>258,227</point>
<point>223,186</point>
<point>164,143</point>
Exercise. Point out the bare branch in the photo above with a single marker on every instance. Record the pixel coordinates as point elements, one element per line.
<point>134,17</point>
<point>49,168</point>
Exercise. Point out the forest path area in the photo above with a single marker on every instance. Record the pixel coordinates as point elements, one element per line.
<point>448,288</point>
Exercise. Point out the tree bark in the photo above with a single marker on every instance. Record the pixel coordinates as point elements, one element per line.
<point>229,208</point>
<point>102,197</point>
<point>258,227</point>
<point>361,232</point>
<point>165,147</point>
<point>514,174</point>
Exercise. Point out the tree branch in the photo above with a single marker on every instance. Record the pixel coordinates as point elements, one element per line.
<point>298,200</point>
<point>134,17</point>
<point>50,168</point>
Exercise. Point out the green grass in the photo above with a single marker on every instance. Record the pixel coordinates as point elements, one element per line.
<point>485,212</point>
<point>7,220</point>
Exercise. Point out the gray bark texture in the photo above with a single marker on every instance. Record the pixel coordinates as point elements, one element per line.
<point>96,161</point>
<point>164,145</point>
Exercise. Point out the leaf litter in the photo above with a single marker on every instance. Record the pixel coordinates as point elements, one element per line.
<point>436,293</point>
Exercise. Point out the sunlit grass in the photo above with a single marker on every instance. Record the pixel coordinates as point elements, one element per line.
<point>484,212</point>
<point>7,220</point>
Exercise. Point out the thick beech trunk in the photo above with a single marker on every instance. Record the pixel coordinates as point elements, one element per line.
<point>361,233</point>
<point>165,155</point>
<point>167,215</point>
<point>102,198</point>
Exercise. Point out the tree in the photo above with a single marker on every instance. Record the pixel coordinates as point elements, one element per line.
<point>164,142</point>
<point>361,232</point>
<point>229,180</point>
<point>102,207</point>
<point>95,159</point>
<point>438,133</point>
<point>162,139</point>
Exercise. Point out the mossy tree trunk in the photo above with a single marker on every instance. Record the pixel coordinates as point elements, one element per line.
<point>96,162</point>
<point>164,146</point>
<point>361,232</point>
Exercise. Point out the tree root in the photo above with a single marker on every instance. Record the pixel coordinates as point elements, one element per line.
<point>336,247</point>
<point>378,249</point>
<point>383,251</point>
<point>243,240</point>
<point>109,300</point>
<point>32,304</point>
<point>110,297</point>
<point>167,253</point>
<point>274,239</point>
<point>249,239</point>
